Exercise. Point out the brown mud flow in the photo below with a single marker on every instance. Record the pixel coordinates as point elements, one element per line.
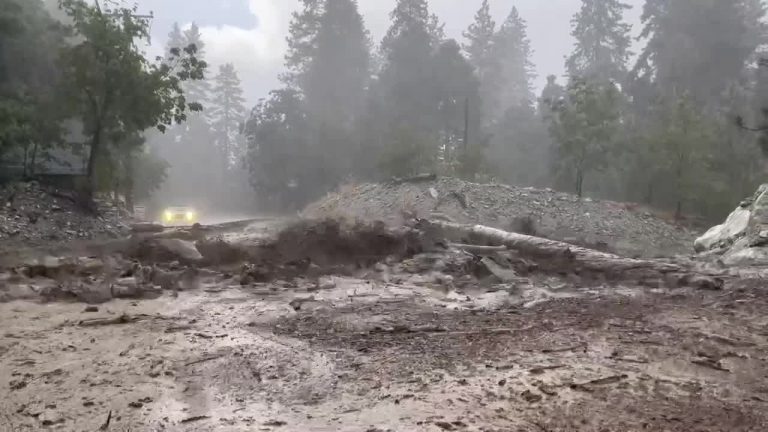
<point>333,326</point>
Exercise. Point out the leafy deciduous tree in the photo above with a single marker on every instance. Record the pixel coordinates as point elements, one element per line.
<point>113,87</point>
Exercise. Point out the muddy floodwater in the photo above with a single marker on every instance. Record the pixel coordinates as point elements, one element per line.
<point>421,343</point>
<point>357,355</point>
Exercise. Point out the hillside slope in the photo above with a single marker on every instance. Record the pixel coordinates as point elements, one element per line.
<point>619,227</point>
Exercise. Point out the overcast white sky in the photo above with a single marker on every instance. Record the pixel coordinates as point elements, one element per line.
<point>251,33</point>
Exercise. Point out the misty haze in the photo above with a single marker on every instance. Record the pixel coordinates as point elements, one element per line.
<point>383,215</point>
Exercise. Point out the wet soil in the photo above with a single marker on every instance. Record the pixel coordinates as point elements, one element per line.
<point>346,354</point>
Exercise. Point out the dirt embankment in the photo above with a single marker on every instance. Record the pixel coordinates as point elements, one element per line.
<point>32,215</point>
<point>626,229</point>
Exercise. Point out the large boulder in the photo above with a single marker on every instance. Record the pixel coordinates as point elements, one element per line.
<point>743,238</point>
<point>725,234</point>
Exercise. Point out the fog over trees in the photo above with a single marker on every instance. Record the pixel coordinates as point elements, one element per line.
<point>656,126</point>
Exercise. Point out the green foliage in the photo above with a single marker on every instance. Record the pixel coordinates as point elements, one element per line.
<point>16,119</point>
<point>409,14</point>
<point>512,76</point>
<point>520,150</point>
<point>278,160</point>
<point>408,152</point>
<point>699,47</point>
<point>683,141</point>
<point>479,45</point>
<point>303,140</point>
<point>339,69</point>
<point>602,42</point>
<point>149,173</point>
<point>110,84</point>
<point>304,27</point>
<point>661,133</point>
<point>29,111</point>
<point>584,128</point>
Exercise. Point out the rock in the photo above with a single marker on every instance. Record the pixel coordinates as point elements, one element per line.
<point>531,397</point>
<point>743,238</point>
<point>726,234</point>
<point>504,275</point>
<point>126,288</point>
<point>752,256</point>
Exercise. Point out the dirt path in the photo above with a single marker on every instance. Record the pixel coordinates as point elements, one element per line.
<point>368,356</point>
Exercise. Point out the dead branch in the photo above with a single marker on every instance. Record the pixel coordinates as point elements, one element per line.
<point>195,418</point>
<point>105,426</point>
<point>587,386</point>
<point>204,359</point>
<point>565,349</point>
<point>96,322</point>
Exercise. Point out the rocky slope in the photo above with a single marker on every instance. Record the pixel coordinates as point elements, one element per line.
<point>32,214</point>
<point>622,228</point>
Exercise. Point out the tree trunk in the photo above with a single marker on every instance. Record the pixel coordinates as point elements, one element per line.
<point>649,193</point>
<point>33,159</point>
<point>92,159</point>
<point>86,195</point>
<point>128,193</point>
<point>25,165</point>
<point>579,182</point>
<point>562,258</point>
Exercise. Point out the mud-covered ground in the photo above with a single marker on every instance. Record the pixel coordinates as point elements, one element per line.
<point>352,355</point>
<point>423,343</point>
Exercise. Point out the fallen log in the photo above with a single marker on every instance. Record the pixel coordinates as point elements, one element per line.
<point>562,258</point>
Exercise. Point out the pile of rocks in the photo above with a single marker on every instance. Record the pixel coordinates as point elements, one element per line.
<point>742,240</point>
<point>32,214</point>
<point>623,228</point>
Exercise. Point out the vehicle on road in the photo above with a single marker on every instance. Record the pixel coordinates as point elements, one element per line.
<point>179,216</point>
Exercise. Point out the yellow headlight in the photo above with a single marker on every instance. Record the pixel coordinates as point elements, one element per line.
<point>168,215</point>
<point>190,216</point>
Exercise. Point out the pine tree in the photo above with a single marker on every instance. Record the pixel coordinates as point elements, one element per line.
<point>457,91</point>
<point>511,82</point>
<point>479,48</point>
<point>699,47</point>
<point>551,96</point>
<point>302,38</point>
<point>196,91</point>
<point>479,37</point>
<point>227,112</point>
<point>602,41</point>
<point>410,13</point>
<point>176,40</point>
<point>405,97</point>
<point>338,71</point>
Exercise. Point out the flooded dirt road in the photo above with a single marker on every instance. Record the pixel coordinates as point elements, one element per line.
<point>342,354</point>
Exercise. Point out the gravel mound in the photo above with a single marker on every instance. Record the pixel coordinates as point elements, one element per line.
<point>33,215</point>
<point>622,228</point>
